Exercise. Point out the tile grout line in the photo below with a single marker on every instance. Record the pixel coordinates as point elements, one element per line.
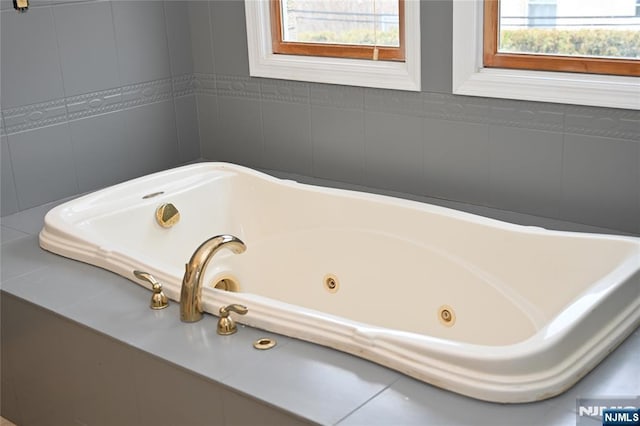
<point>368,400</point>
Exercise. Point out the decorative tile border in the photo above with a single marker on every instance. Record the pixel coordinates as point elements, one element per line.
<point>285,91</point>
<point>34,116</point>
<point>604,122</point>
<point>42,114</point>
<point>237,87</point>
<point>184,85</point>
<point>530,115</point>
<point>336,96</point>
<point>146,93</point>
<point>393,101</point>
<point>204,84</point>
<point>612,123</point>
<point>94,103</point>
<point>466,108</point>
<point>455,108</point>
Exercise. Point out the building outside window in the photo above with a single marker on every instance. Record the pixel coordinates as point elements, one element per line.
<point>541,13</point>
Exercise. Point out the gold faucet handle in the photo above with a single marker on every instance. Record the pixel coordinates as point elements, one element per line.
<point>226,324</point>
<point>238,309</point>
<point>158,298</point>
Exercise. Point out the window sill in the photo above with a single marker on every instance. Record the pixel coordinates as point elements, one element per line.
<point>469,78</point>
<point>353,72</point>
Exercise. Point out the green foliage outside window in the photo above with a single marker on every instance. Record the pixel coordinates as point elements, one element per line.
<point>582,42</point>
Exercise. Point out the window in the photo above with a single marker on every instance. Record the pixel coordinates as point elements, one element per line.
<point>562,35</point>
<point>473,75</point>
<point>371,43</point>
<point>350,29</point>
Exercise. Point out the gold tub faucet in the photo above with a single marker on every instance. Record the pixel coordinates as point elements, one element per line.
<point>191,291</point>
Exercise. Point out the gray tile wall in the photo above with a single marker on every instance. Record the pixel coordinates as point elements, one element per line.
<point>559,161</point>
<point>107,96</point>
<point>93,93</point>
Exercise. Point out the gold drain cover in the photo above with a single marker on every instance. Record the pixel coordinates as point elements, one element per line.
<point>264,343</point>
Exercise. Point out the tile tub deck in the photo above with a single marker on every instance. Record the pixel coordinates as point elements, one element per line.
<point>311,382</point>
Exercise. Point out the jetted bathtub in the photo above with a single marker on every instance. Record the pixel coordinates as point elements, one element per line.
<point>488,309</point>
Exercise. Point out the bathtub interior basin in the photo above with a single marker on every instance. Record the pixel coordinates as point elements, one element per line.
<point>485,308</point>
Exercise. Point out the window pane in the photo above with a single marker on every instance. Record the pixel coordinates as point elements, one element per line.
<point>358,22</point>
<point>587,28</point>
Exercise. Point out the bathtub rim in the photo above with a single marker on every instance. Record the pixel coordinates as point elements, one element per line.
<point>62,240</point>
<point>475,383</point>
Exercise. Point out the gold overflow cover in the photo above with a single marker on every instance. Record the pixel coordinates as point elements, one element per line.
<point>167,215</point>
<point>227,284</point>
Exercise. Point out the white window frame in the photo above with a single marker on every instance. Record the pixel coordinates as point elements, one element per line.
<point>471,78</point>
<point>353,72</point>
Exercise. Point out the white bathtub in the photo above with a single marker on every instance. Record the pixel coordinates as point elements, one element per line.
<point>532,310</point>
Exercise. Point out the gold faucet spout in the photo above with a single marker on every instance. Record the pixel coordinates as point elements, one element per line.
<point>191,291</point>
